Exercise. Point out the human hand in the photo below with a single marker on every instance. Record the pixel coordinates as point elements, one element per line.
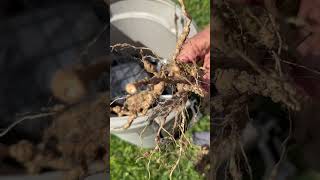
<point>309,12</point>
<point>310,47</point>
<point>198,48</point>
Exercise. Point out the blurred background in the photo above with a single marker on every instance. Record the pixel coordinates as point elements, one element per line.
<point>38,39</point>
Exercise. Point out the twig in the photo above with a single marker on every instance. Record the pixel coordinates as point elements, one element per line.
<point>284,150</point>
<point>126,45</point>
<point>301,66</point>
<point>272,8</point>
<point>277,32</point>
<point>25,118</point>
<point>177,162</point>
<point>94,40</point>
<point>303,40</point>
<point>278,64</point>
<point>185,32</point>
<point>254,65</point>
<point>117,99</point>
<point>246,160</point>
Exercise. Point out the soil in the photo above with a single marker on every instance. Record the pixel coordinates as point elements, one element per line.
<point>64,123</point>
<point>75,139</point>
<point>254,58</point>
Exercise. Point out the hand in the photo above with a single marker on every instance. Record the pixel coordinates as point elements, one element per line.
<point>308,119</point>
<point>310,47</point>
<point>198,48</point>
<point>309,12</point>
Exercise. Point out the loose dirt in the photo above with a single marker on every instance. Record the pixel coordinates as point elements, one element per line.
<point>250,49</point>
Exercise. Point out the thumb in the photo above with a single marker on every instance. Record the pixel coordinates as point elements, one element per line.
<point>195,47</point>
<point>188,52</point>
<point>206,76</point>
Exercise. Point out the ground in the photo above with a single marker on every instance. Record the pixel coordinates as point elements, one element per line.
<point>129,168</point>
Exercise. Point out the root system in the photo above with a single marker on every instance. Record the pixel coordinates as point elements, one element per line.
<point>250,48</point>
<point>75,140</point>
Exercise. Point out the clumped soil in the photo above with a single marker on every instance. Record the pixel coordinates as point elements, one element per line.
<point>75,142</point>
<point>253,55</point>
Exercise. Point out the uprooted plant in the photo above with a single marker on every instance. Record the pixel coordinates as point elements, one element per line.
<point>182,79</point>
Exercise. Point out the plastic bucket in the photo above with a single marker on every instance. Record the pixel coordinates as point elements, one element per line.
<point>134,134</point>
<point>152,23</point>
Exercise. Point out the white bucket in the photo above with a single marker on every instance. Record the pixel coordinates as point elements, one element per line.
<point>134,134</point>
<point>155,24</point>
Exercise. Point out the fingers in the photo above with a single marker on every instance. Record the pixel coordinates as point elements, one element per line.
<point>188,52</point>
<point>196,47</point>
<point>309,11</point>
<point>311,46</point>
<point>304,9</point>
<point>206,77</point>
<point>206,81</point>
<point>206,64</point>
<point>305,79</point>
